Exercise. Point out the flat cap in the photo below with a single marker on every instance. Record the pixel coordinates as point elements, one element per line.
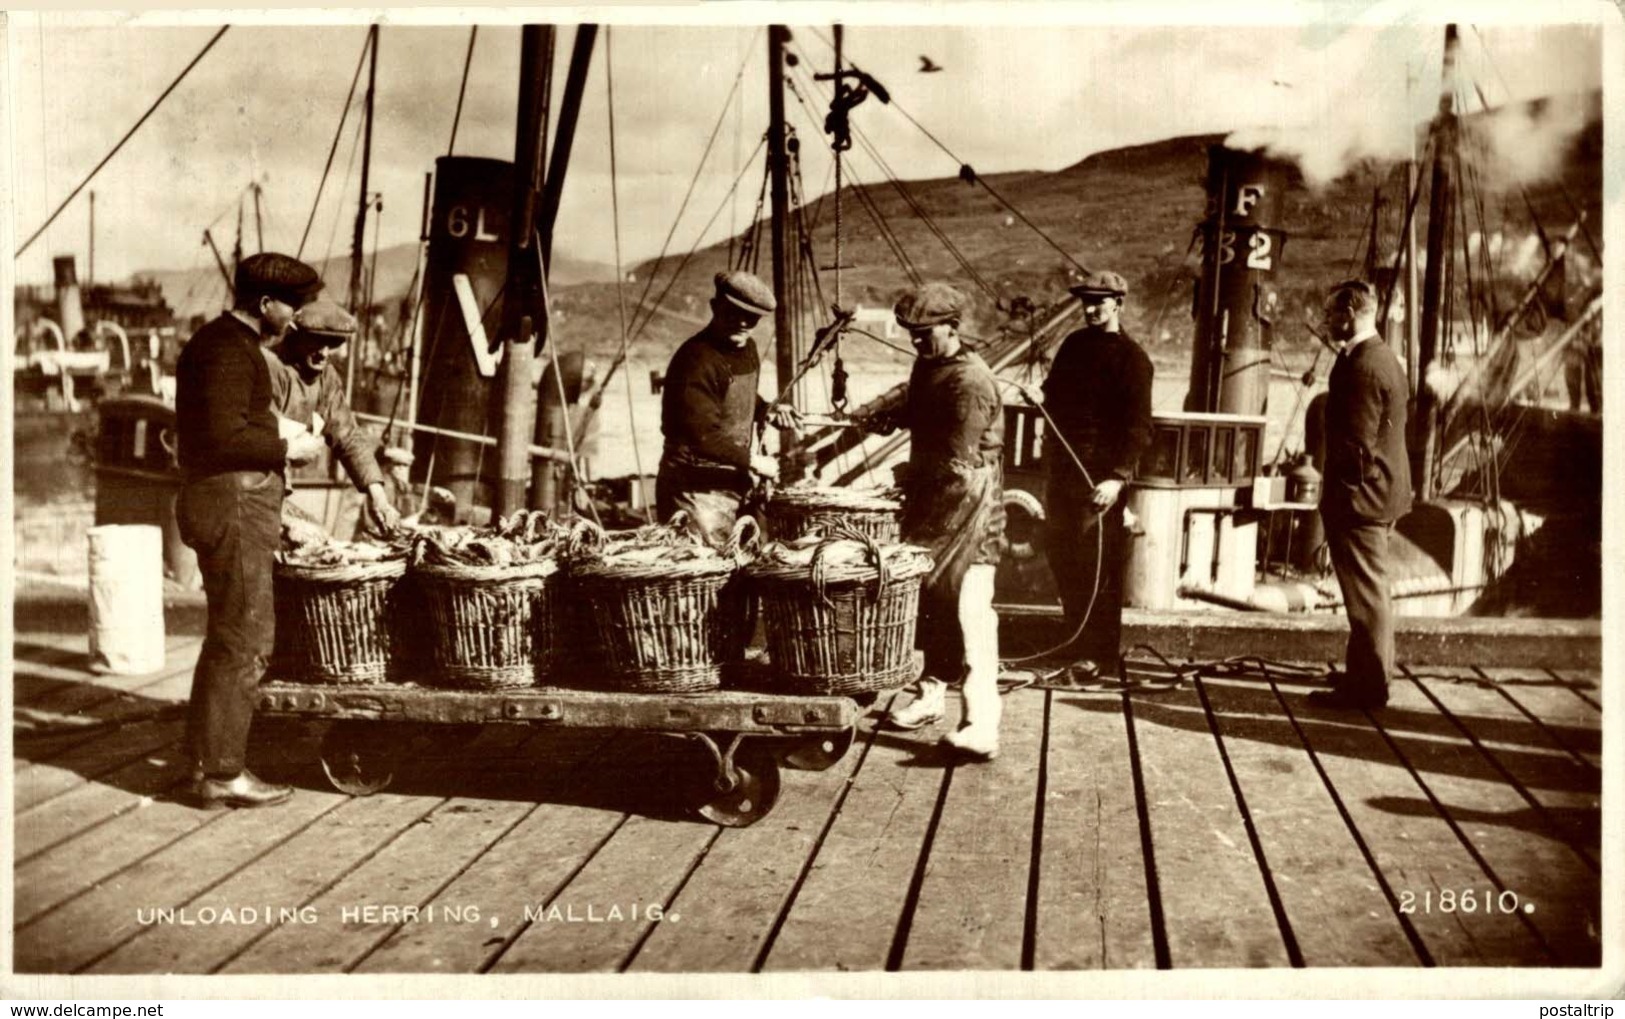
<point>325,320</point>
<point>1102,281</point>
<point>277,276</point>
<point>929,305</point>
<point>746,291</point>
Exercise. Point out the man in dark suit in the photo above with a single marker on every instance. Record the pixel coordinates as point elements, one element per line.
<point>1368,487</point>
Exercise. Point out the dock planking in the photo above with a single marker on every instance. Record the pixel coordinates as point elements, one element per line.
<point>92,924</point>
<point>1092,909</point>
<point>1417,852</point>
<point>1442,792</point>
<point>287,877</point>
<point>1215,903</point>
<point>644,863</point>
<point>1566,792</point>
<point>971,911</point>
<point>849,908</point>
<point>1335,909</point>
<point>1518,849</point>
<point>731,905</point>
<point>1575,721</point>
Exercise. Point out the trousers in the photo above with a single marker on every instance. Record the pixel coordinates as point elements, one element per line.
<point>1359,552</point>
<point>1078,541</point>
<point>233,522</point>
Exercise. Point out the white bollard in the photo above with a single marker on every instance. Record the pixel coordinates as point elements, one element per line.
<point>126,598</point>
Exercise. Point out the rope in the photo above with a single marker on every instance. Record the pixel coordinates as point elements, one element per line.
<point>971,176</point>
<point>908,199</point>
<point>121,142</point>
<point>620,273</point>
<point>468,62</point>
<point>666,244</point>
<point>332,149</point>
<point>332,237</point>
<point>577,483</point>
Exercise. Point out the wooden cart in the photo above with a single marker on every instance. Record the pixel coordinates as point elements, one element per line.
<point>747,734</point>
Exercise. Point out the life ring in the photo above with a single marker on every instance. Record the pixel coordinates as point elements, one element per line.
<point>1020,499</point>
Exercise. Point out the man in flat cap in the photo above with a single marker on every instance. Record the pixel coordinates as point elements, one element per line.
<point>307,390</point>
<point>1368,488</point>
<point>953,505</point>
<point>232,459</point>
<point>710,411</point>
<point>1098,396</point>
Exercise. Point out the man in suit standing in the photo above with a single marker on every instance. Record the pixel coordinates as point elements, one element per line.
<point>1368,487</point>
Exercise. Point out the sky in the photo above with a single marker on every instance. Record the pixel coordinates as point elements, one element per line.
<point>1021,88</point>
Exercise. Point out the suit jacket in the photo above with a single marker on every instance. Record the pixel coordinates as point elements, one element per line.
<point>1368,473</point>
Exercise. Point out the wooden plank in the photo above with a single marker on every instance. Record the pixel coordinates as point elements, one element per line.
<point>1093,909</point>
<point>1567,793</point>
<point>1582,683</point>
<point>47,880</point>
<point>732,903</point>
<point>1510,837</point>
<point>364,907</point>
<point>284,879</point>
<point>85,689</point>
<point>1415,849</point>
<point>88,805</point>
<point>644,862</point>
<point>527,868</point>
<point>73,936</point>
<point>1214,902</point>
<point>1335,907</point>
<point>39,782</point>
<point>847,912</point>
<point>972,907</point>
<point>1574,723</point>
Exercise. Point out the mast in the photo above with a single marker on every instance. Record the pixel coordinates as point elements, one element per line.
<point>1436,280</point>
<point>90,271</point>
<point>1412,319</point>
<point>358,240</point>
<point>786,354</point>
<point>522,321</point>
<point>552,409</point>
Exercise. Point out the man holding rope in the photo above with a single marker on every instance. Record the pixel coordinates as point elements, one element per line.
<point>1098,398</point>
<point>953,505</point>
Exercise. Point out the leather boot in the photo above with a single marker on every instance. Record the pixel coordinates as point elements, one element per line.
<point>246,790</point>
<point>925,709</point>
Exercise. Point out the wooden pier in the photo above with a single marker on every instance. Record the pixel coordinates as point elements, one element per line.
<point>1214,822</point>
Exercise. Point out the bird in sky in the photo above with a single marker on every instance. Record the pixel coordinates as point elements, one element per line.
<point>928,66</point>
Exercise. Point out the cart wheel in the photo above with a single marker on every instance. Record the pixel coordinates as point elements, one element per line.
<point>359,758</point>
<point>822,752</point>
<point>754,791</point>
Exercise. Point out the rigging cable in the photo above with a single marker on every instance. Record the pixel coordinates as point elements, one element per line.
<point>332,149</point>
<point>332,237</point>
<point>909,200</point>
<point>121,142</point>
<point>620,274</point>
<point>694,180</point>
<point>970,175</point>
<point>462,88</point>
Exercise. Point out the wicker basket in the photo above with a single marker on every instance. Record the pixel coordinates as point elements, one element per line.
<point>802,510</point>
<point>665,625</point>
<point>336,624</point>
<point>492,627</point>
<point>840,613</point>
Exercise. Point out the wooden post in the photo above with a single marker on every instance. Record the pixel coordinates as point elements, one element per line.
<point>786,352</point>
<point>358,238</point>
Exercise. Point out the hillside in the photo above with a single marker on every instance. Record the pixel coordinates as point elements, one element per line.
<point>203,291</point>
<point>1130,209</point>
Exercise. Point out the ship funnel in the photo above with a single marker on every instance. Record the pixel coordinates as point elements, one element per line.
<point>70,308</point>
<point>1236,295</point>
